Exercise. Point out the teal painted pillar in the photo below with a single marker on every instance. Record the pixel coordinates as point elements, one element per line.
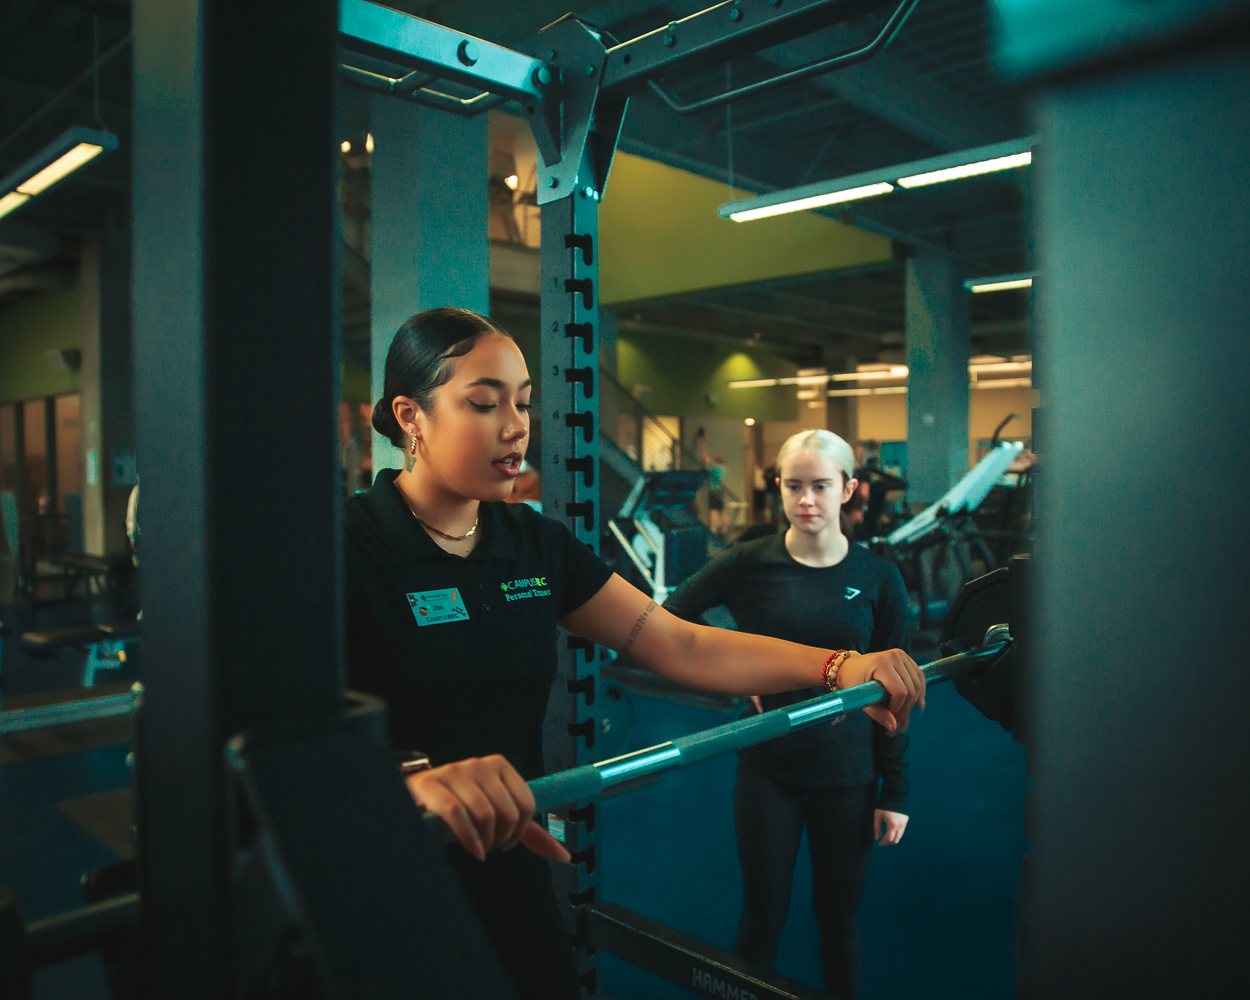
<point>107,426</point>
<point>937,327</point>
<point>428,225</point>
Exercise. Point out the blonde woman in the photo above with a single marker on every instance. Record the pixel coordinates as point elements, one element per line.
<point>846,781</point>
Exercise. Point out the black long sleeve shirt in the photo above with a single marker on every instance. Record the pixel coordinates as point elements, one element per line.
<point>858,604</point>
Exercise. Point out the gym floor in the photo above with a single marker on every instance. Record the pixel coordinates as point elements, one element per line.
<point>940,911</point>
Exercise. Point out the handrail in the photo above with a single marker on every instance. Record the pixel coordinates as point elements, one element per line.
<point>687,454</point>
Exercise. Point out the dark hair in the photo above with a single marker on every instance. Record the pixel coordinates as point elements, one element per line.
<point>419,361</point>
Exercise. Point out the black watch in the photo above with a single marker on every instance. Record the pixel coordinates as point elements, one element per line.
<point>412,761</point>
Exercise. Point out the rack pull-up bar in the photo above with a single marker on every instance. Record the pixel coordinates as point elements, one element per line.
<point>805,72</point>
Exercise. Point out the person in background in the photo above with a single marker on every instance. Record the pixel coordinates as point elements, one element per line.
<point>772,493</point>
<point>846,782</point>
<point>718,520</point>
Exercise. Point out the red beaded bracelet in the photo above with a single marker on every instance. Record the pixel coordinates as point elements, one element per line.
<point>833,665</point>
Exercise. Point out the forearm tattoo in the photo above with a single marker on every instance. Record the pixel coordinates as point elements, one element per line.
<point>642,620</point>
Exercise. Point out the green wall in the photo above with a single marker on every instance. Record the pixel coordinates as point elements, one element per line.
<point>28,328</point>
<point>660,233</point>
<point>681,375</point>
<point>524,327</point>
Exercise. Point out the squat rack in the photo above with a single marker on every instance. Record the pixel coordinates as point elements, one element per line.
<point>235,338</point>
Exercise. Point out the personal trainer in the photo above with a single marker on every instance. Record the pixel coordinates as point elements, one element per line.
<point>810,584</point>
<point>453,601</point>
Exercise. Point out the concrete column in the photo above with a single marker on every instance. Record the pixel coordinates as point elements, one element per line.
<point>842,412</point>
<point>428,225</point>
<point>107,435</point>
<point>937,326</point>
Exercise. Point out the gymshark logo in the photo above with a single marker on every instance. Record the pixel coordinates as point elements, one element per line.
<point>852,593</point>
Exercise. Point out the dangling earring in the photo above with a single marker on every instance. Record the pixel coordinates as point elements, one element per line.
<point>412,449</point>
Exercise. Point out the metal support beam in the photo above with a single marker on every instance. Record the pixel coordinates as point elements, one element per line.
<point>719,33</point>
<point>236,379</point>
<point>1144,347</point>
<point>569,404</point>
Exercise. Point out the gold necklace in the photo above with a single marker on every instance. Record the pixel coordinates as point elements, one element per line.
<point>443,534</point>
<point>429,527</point>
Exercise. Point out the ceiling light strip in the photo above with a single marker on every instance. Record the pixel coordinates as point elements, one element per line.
<point>967,170</point>
<point>873,183</point>
<point>52,164</point>
<point>898,390</point>
<point>892,372</point>
<point>1000,282</point>
<point>816,201</point>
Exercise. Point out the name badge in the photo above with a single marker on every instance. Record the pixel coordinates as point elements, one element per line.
<point>433,607</point>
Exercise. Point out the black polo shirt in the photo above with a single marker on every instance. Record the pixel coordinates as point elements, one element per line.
<point>463,650</point>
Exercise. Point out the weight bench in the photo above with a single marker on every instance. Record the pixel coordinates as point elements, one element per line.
<point>79,566</point>
<point>105,645</point>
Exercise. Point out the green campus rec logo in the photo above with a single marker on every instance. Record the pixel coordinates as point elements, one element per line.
<point>533,581</point>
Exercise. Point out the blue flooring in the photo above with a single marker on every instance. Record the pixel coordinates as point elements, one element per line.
<point>43,853</point>
<point>940,913</point>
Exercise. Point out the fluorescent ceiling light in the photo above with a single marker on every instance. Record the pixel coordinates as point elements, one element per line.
<point>1002,366</point>
<point>871,183</point>
<point>1000,282</point>
<point>1002,286</point>
<point>881,390</point>
<point>84,152</point>
<point>893,371</point>
<point>815,201</point>
<point>891,390</point>
<point>761,383</point>
<point>56,161</point>
<point>1020,363</point>
<point>967,170</point>
<point>12,201</point>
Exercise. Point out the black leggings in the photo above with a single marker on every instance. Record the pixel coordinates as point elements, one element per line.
<point>769,816</point>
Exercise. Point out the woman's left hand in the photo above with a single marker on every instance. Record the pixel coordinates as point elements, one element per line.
<point>895,824</point>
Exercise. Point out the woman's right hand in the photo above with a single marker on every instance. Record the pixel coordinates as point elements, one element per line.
<point>898,674</point>
<point>487,804</point>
